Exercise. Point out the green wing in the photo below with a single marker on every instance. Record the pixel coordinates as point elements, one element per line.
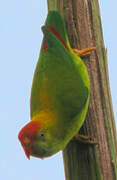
<point>55,20</point>
<point>59,82</point>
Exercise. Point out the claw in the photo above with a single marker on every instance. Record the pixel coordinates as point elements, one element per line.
<point>84,52</point>
<point>84,139</point>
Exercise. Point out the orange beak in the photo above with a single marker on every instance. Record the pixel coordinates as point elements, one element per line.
<point>27,151</point>
<point>25,142</point>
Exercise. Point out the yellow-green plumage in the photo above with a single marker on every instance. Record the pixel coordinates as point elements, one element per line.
<point>60,90</point>
<point>60,84</point>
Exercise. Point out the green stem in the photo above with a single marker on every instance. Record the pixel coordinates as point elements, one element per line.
<point>52,4</point>
<point>85,162</point>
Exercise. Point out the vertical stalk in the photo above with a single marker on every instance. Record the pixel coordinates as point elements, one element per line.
<point>86,162</point>
<point>52,4</point>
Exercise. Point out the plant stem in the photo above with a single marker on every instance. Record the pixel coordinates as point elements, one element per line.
<point>86,162</point>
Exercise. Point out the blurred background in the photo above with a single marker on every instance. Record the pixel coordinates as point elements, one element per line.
<point>20,40</point>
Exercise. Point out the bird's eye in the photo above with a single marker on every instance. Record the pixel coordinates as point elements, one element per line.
<point>42,135</point>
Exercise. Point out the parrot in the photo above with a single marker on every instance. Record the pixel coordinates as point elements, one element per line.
<point>59,95</point>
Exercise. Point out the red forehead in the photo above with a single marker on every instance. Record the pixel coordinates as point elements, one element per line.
<point>29,130</point>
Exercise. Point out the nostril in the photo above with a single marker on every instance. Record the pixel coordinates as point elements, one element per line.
<point>26,140</point>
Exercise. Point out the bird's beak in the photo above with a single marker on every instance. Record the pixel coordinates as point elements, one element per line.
<point>27,151</point>
<point>25,142</point>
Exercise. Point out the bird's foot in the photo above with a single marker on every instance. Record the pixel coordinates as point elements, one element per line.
<point>84,139</point>
<point>84,52</point>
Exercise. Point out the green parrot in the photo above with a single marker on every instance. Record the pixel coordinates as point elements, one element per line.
<point>59,95</point>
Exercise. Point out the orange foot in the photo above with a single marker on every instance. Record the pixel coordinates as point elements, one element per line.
<point>84,52</point>
<point>84,139</point>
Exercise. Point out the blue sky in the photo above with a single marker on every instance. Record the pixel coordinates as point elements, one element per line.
<point>20,40</point>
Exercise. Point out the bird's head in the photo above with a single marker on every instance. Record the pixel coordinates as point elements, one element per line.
<point>39,140</point>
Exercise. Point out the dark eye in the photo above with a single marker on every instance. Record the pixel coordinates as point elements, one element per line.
<point>42,135</point>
